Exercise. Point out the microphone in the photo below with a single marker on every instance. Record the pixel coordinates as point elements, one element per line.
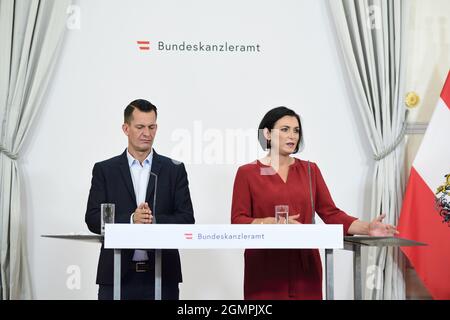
<point>158,267</point>
<point>313,213</point>
<point>154,196</point>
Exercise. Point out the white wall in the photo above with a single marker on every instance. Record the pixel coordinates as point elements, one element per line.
<point>100,70</point>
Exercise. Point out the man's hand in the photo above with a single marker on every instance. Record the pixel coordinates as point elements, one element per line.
<point>143,214</point>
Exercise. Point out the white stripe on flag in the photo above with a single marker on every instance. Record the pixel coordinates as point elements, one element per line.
<point>433,158</point>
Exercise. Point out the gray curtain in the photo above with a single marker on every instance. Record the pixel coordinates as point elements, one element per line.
<point>371,34</point>
<point>31,32</point>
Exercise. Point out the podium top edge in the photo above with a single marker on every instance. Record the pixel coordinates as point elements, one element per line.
<point>382,241</point>
<point>86,237</point>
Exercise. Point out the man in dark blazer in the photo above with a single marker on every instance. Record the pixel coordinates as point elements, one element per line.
<point>125,180</point>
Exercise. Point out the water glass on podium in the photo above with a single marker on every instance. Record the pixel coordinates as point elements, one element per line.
<point>107,215</point>
<point>282,214</point>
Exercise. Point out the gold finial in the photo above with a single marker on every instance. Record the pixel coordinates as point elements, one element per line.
<point>412,99</point>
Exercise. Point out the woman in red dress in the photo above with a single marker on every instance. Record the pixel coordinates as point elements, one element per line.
<point>279,179</point>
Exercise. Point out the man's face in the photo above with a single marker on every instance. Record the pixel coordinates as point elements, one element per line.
<point>141,131</point>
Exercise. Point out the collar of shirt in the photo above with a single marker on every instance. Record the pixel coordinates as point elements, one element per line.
<point>132,161</point>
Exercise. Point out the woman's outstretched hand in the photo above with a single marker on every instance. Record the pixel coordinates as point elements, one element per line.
<point>379,229</point>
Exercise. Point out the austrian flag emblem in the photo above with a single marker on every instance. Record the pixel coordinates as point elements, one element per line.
<point>443,200</point>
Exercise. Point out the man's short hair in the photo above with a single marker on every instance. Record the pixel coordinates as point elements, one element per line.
<point>140,104</point>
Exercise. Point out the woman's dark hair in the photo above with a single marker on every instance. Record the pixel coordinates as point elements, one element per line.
<point>141,105</point>
<point>269,121</point>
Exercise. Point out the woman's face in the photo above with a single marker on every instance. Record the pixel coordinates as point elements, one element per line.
<point>285,135</point>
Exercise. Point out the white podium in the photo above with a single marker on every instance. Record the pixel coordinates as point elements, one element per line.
<point>255,236</point>
<point>237,236</point>
<point>355,243</point>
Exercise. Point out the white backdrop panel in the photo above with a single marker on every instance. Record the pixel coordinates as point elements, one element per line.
<point>206,101</point>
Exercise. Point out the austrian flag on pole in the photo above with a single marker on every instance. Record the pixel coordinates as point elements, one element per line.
<point>425,215</point>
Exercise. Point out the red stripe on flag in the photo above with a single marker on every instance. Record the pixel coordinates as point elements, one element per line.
<point>143,42</point>
<point>144,48</point>
<point>420,221</point>
<point>445,94</point>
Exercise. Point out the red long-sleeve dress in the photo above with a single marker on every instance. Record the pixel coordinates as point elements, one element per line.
<point>283,273</point>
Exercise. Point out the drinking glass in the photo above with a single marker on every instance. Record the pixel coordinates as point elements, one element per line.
<point>282,214</point>
<point>107,215</point>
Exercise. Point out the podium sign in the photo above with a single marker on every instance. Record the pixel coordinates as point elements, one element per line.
<point>219,236</point>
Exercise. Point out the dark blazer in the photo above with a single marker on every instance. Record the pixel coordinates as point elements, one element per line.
<point>112,183</point>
